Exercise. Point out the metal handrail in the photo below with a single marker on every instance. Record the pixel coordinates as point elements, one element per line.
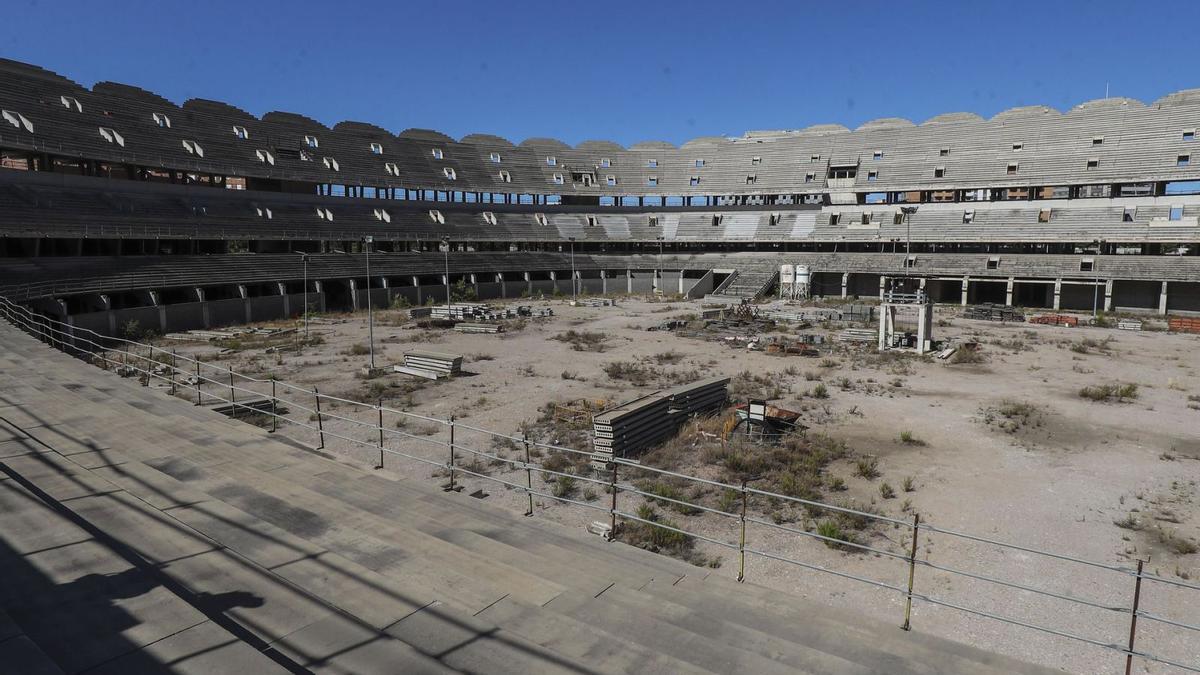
<point>67,338</point>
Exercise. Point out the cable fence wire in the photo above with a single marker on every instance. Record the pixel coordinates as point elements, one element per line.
<point>214,383</point>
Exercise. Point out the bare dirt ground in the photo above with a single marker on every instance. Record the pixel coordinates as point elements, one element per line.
<point>1007,448</point>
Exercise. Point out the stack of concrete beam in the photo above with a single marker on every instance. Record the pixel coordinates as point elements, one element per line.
<point>430,365</point>
<point>630,428</point>
<point>478,328</point>
<point>858,335</point>
<point>459,311</point>
<point>633,426</point>
<point>857,312</point>
<point>698,397</point>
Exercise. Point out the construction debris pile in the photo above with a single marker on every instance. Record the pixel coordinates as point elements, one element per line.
<point>1056,320</point>
<point>228,333</point>
<point>858,335</point>
<point>630,428</point>
<point>993,312</point>
<point>852,312</point>
<point>463,311</point>
<point>430,365</point>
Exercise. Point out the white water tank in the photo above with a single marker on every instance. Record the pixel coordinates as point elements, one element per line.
<point>787,274</point>
<point>802,275</point>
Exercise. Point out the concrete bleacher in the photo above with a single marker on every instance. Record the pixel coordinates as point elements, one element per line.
<point>1128,141</point>
<point>139,534</point>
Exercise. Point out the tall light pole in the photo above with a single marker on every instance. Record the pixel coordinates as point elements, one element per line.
<point>573,298</point>
<point>304,257</point>
<point>908,212</point>
<point>446,253</point>
<point>660,270</point>
<point>370,310</point>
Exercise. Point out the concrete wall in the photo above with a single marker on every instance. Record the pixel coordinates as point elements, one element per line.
<point>1077,297</point>
<point>643,281</point>
<point>265,307</point>
<point>1183,296</point>
<point>489,290</point>
<point>1136,295</point>
<point>147,318</point>
<point>226,312</point>
<point>592,286</point>
<point>864,285</point>
<point>184,316</point>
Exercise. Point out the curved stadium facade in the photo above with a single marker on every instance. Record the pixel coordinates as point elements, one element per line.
<point>117,204</point>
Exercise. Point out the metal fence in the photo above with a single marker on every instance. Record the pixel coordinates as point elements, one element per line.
<point>457,450</point>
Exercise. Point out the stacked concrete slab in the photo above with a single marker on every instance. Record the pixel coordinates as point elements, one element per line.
<point>432,365</point>
<point>630,428</point>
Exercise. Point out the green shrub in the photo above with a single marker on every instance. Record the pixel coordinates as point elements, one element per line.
<point>867,467</point>
<point>832,530</point>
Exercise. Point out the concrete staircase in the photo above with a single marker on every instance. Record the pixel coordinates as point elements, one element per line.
<point>139,534</point>
<point>751,282</point>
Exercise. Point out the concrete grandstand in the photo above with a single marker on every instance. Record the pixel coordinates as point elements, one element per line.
<point>1035,207</point>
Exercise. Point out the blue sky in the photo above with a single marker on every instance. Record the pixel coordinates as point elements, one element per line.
<point>615,70</point>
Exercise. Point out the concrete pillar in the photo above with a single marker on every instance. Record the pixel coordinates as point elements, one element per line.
<point>1162,299</point>
<point>503,288</point>
<point>319,289</point>
<point>629,281</point>
<point>603,282</point>
<point>1108,288</point>
<point>1057,294</point>
<point>966,287</point>
<point>1008,291</point>
<point>474,283</point>
<point>882,286</point>
<point>354,294</point>
<point>528,284</point>
<point>287,309</point>
<point>416,282</point>
<point>845,284</point>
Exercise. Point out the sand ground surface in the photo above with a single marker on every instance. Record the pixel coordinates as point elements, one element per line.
<point>1109,482</point>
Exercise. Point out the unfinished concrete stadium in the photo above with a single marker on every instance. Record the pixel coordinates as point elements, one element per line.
<point>909,398</point>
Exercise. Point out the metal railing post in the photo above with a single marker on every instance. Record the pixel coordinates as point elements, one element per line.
<point>612,511</point>
<point>232,395</point>
<point>528,474</point>
<point>912,570</point>
<point>450,487</point>
<point>198,396</point>
<point>1137,596</point>
<point>174,368</point>
<point>274,420</point>
<point>379,408</point>
<point>320,424</point>
<point>742,541</point>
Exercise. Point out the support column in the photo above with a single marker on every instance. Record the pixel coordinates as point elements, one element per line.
<point>528,284</point>
<point>845,284</point>
<point>1108,293</point>
<point>629,281</point>
<point>604,282</point>
<point>966,287</point>
<point>1008,292</point>
<point>287,309</point>
<point>1162,299</point>
<point>245,296</point>
<point>882,286</point>
<point>1057,294</point>
<point>319,289</point>
<point>354,294</point>
<point>503,287</point>
<point>416,282</point>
